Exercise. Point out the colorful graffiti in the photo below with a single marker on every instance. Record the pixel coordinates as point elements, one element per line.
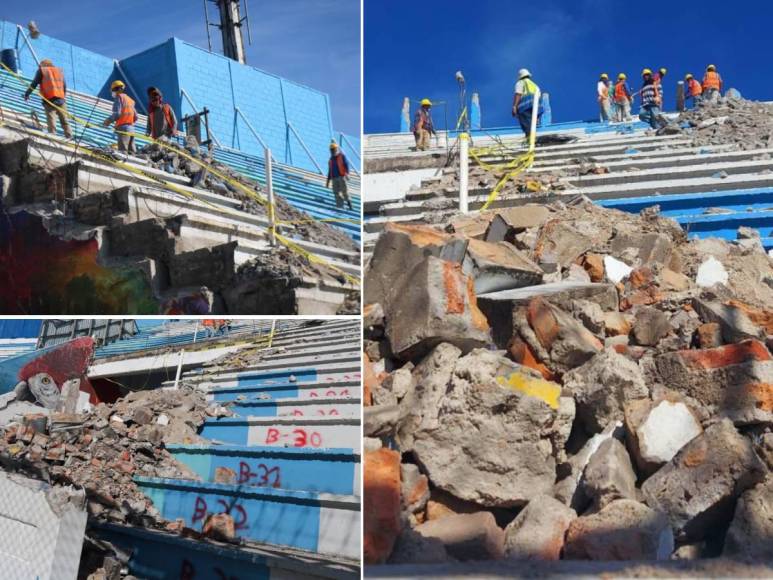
<point>42,373</point>
<point>44,274</point>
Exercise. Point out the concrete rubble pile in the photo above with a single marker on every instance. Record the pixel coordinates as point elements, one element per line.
<point>168,160</point>
<point>567,382</point>
<point>101,451</point>
<point>747,124</point>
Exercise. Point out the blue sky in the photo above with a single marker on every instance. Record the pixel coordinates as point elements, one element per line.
<point>314,42</point>
<point>413,49</point>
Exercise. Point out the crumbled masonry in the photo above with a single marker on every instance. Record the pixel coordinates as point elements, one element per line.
<point>617,405</point>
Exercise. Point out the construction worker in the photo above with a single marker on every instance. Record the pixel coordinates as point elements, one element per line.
<point>658,78</point>
<point>602,90</point>
<point>422,125</point>
<point>124,116</point>
<point>161,118</point>
<point>623,99</point>
<point>712,84</point>
<point>692,90</point>
<point>337,172</point>
<point>650,101</point>
<point>54,91</point>
<point>523,100</point>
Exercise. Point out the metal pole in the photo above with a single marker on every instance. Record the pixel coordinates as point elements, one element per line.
<point>464,167</point>
<point>179,369</point>
<point>195,332</point>
<point>251,128</point>
<point>534,114</point>
<point>270,191</point>
<point>306,149</point>
<point>185,94</point>
<point>27,42</point>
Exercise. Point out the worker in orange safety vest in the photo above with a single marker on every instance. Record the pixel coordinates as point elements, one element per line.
<point>53,89</point>
<point>338,173</point>
<point>124,116</point>
<point>623,99</point>
<point>161,118</point>
<point>692,91</point>
<point>712,84</point>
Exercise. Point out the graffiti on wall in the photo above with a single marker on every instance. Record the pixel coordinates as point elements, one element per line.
<point>40,375</point>
<point>44,274</point>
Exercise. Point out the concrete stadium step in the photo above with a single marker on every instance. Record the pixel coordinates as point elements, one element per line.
<point>307,432</point>
<point>343,389</point>
<point>696,203</point>
<point>327,373</point>
<point>318,470</point>
<point>301,188</point>
<point>317,522</point>
<point>166,555</point>
<point>295,407</point>
<point>689,168</point>
<point>210,216</point>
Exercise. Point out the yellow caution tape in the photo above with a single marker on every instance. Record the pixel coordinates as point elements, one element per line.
<point>313,258</point>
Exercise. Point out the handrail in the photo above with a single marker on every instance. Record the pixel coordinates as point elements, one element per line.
<point>251,128</point>
<point>20,31</point>
<point>306,149</point>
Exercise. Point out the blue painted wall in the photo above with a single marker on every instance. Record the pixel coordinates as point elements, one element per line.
<point>84,71</point>
<point>212,81</point>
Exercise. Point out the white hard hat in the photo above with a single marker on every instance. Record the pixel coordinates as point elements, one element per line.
<point>523,73</point>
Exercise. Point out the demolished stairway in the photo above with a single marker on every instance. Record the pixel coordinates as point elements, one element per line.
<point>180,242</point>
<point>710,190</point>
<point>286,467</point>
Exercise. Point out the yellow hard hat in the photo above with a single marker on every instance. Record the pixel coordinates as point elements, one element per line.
<point>117,85</point>
<point>46,62</point>
<point>426,102</point>
<point>711,67</point>
<point>646,71</point>
<point>333,145</point>
<point>621,77</point>
<point>688,76</point>
<point>604,76</point>
<point>663,71</point>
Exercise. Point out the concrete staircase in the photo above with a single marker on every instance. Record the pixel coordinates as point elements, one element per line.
<point>286,467</point>
<point>643,170</point>
<point>180,241</point>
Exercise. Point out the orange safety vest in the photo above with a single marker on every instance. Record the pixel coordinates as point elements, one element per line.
<point>711,80</point>
<point>167,114</point>
<point>128,114</point>
<point>621,93</point>
<point>339,159</point>
<point>51,82</point>
<point>694,88</point>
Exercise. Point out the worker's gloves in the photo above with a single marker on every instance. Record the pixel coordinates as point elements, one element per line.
<point>106,123</point>
<point>26,96</point>
<point>515,111</point>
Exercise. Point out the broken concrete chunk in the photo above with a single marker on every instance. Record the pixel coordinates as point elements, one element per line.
<point>624,530</point>
<point>609,475</point>
<point>499,266</point>
<point>735,324</point>
<point>674,281</point>
<point>710,273</point>
<point>732,380</point>
<point>602,386</point>
<point>538,531</point>
<point>642,249</point>
<point>657,431</point>
<point>413,548</point>
<point>467,536</point>
<point>650,325</point>
<point>508,457</point>
<point>397,251</point>
<point>709,335</point>
<point>560,243</point>
<point>437,305</point>
<point>751,530</point>
<point>382,496</point>
<point>698,487</point>
<point>415,488</point>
